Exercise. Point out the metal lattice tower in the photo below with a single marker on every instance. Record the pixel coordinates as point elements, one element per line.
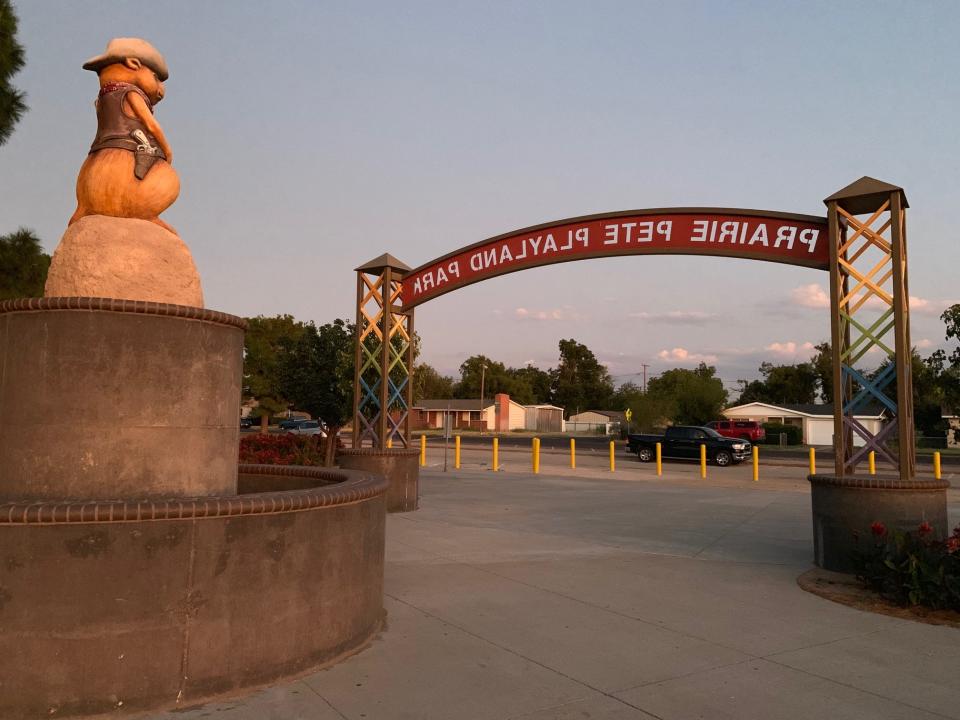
<point>383,383</point>
<point>870,323</point>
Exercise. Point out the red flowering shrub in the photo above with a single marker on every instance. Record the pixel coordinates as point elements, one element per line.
<point>913,568</point>
<point>286,449</point>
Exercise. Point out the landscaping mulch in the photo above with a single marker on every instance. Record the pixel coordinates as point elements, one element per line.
<point>847,590</point>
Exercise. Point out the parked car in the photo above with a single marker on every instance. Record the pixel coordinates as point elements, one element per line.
<point>246,422</point>
<point>684,441</point>
<point>743,429</point>
<point>290,423</point>
<point>308,427</point>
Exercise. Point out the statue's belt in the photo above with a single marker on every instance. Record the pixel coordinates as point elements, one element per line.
<point>145,153</point>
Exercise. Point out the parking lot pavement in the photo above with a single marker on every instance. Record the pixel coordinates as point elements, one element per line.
<point>616,596</point>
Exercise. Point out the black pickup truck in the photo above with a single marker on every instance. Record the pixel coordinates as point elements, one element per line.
<point>684,441</point>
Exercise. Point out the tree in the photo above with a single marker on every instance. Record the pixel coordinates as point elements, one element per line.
<point>689,397</point>
<point>534,384</point>
<point>428,383</point>
<point>12,105</point>
<point>316,375</point>
<point>949,366</point>
<point>23,265</point>
<point>823,367</point>
<point>580,382</point>
<point>783,385</point>
<point>266,342</point>
<point>790,384</point>
<point>495,378</point>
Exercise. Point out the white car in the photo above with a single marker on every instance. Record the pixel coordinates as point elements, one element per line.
<point>308,427</point>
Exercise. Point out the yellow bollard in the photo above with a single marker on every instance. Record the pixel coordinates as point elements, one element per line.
<point>573,454</point>
<point>390,442</point>
<point>936,465</point>
<point>756,463</point>
<point>423,451</point>
<point>872,462</point>
<point>613,461</point>
<point>659,459</point>
<point>813,461</point>
<point>536,456</point>
<point>496,454</point>
<point>703,461</point>
<point>456,452</point>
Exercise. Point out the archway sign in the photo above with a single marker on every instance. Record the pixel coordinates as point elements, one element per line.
<point>865,257</point>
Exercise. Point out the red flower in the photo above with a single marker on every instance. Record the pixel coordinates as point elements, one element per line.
<point>924,529</point>
<point>878,529</point>
<point>953,544</point>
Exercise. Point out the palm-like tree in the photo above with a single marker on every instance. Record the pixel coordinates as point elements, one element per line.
<point>12,105</point>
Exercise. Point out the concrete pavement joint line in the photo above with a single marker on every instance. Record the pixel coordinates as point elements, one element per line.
<point>569,703</point>
<point>862,690</point>
<point>733,529</point>
<point>329,704</point>
<point>522,656</point>
<point>607,610</point>
<point>749,659</point>
<point>660,626</point>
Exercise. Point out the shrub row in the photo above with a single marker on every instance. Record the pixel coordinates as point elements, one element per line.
<point>286,449</point>
<point>773,430</point>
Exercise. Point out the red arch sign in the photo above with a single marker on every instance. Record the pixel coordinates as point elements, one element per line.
<point>729,232</point>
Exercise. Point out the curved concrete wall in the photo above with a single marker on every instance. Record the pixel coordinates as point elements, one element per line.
<point>109,399</point>
<point>140,605</point>
<point>401,468</point>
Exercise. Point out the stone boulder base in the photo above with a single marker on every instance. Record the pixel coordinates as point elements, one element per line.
<point>123,258</point>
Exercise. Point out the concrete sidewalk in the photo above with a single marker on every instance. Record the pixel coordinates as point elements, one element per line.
<point>559,597</point>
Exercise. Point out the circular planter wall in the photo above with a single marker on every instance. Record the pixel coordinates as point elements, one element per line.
<point>131,606</point>
<point>844,508</point>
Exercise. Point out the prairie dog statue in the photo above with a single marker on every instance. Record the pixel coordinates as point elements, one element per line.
<point>128,172</point>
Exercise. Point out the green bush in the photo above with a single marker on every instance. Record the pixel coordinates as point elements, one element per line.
<point>912,568</point>
<point>773,430</point>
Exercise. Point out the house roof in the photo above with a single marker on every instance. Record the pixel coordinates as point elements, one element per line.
<point>811,409</point>
<point>609,414</point>
<point>459,405</point>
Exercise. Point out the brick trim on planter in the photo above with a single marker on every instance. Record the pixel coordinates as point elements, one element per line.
<point>142,307</point>
<point>348,487</point>
<point>878,482</point>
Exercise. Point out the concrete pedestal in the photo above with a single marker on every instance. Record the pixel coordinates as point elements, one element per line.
<point>104,399</point>
<point>400,467</point>
<point>846,507</point>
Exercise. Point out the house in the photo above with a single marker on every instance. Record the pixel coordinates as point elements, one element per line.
<point>816,420</point>
<point>502,415</point>
<point>607,422</point>
<point>464,414</point>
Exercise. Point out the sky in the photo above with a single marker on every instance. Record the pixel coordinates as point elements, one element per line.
<point>311,137</point>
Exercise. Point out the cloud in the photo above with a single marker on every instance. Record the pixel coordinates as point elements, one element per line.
<point>679,354</point>
<point>675,317</point>
<point>815,295</point>
<point>522,313</point>
<point>811,296</point>
<point>790,349</point>
<point>924,344</point>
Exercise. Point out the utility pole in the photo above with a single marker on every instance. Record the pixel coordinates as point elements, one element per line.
<point>644,366</point>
